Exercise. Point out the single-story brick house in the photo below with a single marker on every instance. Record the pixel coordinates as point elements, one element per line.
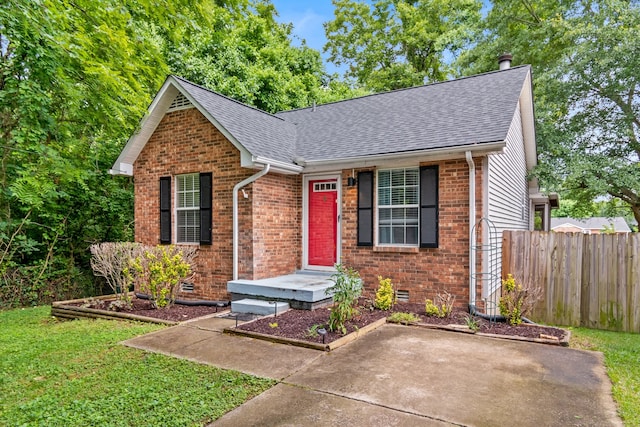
<point>382,183</point>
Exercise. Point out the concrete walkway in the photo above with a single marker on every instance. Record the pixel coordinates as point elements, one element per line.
<point>403,376</point>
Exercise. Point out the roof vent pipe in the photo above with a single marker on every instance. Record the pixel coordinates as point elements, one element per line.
<point>504,61</point>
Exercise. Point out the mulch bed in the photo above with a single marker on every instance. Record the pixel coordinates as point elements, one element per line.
<point>297,324</point>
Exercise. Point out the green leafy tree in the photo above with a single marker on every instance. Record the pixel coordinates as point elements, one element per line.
<point>75,79</point>
<point>585,57</point>
<point>391,44</point>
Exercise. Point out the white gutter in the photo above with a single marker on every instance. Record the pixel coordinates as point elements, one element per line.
<point>472,220</point>
<point>448,152</point>
<point>277,165</point>
<point>236,238</point>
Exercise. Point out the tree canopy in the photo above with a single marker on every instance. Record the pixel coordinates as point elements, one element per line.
<point>392,44</point>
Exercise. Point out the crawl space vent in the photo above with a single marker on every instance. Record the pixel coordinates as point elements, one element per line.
<point>402,296</point>
<point>180,102</point>
<point>186,287</point>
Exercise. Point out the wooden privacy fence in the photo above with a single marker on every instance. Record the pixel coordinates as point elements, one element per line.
<point>587,280</point>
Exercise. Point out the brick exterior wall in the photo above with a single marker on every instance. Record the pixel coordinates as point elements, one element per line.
<point>277,221</point>
<point>186,142</point>
<point>421,271</point>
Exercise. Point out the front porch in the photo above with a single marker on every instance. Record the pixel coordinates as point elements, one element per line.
<point>305,290</point>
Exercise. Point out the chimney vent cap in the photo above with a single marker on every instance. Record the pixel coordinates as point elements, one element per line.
<point>504,61</point>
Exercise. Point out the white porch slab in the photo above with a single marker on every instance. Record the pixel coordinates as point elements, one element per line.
<point>299,287</point>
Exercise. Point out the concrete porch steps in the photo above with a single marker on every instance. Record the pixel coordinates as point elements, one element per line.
<point>260,307</point>
<point>304,290</point>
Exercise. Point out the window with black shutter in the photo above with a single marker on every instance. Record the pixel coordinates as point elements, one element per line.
<point>206,220</point>
<point>365,208</point>
<point>429,206</point>
<point>193,208</point>
<point>165,209</point>
<point>407,207</point>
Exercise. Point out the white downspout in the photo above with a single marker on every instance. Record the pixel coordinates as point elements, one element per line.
<point>472,220</point>
<point>236,238</point>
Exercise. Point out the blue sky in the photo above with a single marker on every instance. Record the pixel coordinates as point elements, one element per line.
<point>307,18</point>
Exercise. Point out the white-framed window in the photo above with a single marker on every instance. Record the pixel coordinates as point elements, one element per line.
<point>188,208</point>
<point>398,193</point>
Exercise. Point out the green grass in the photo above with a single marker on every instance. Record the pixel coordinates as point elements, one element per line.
<point>622,359</point>
<point>74,373</point>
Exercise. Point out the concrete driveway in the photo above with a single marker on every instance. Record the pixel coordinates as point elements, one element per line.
<point>403,376</point>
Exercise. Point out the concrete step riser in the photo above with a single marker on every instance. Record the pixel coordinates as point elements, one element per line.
<point>260,307</point>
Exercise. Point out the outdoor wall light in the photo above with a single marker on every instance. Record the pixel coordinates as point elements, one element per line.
<point>351,181</point>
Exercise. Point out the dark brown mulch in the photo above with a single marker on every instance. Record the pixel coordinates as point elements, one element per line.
<point>298,324</point>
<point>142,307</point>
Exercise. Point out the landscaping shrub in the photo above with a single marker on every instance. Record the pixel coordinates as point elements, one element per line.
<point>160,269</point>
<point>346,290</point>
<point>517,300</point>
<point>111,260</point>
<point>441,305</point>
<point>403,318</point>
<point>384,294</point>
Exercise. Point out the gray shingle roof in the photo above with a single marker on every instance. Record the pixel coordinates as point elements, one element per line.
<point>471,110</point>
<point>261,133</point>
<point>596,223</point>
<point>467,111</point>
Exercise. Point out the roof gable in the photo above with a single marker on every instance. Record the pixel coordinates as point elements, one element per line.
<point>259,136</point>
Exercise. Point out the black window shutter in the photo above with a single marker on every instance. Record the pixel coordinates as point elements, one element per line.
<point>429,206</point>
<point>365,208</point>
<point>205,208</point>
<point>165,209</point>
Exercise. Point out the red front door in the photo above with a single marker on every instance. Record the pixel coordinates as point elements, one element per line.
<point>323,222</point>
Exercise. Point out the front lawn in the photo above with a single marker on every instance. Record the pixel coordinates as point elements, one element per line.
<point>622,359</point>
<point>74,373</point>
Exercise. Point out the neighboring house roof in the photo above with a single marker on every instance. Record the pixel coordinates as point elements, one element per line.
<point>596,223</point>
<point>472,113</point>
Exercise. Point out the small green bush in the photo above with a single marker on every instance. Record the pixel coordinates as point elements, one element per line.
<point>384,294</point>
<point>510,303</point>
<point>346,290</point>
<point>472,323</point>
<point>403,318</point>
<point>441,306</point>
<point>159,271</point>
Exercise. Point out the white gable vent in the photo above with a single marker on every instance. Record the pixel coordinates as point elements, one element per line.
<point>180,102</point>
